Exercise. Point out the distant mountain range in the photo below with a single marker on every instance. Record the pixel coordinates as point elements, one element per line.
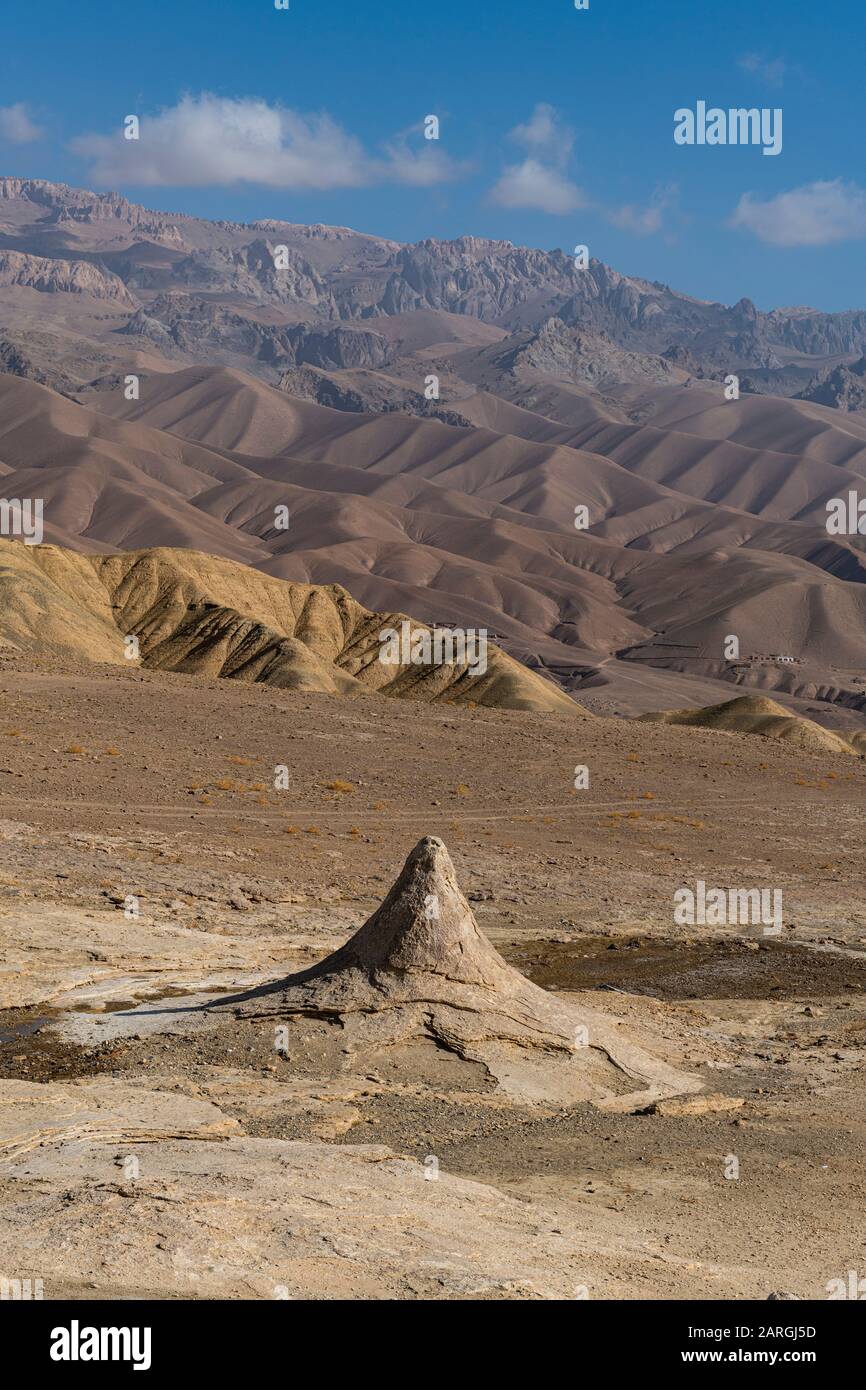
<point>433,415</point>
<point>194,284</point>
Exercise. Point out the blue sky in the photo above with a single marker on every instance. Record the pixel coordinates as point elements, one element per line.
<point>556,125</point>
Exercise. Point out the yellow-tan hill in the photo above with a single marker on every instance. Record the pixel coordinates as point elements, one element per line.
<point>208,616</point>
<point>755,714</point>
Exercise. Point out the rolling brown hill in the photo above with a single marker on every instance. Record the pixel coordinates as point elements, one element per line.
<point>458,525</point>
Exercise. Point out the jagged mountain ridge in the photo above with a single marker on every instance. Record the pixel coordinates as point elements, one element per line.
<point>336,275</point>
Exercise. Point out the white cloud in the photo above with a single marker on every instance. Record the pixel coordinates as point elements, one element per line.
<point>772,71</point>
<point>545,135</point>
<point>206,140</point>
<point>17,126</point>
<point>535,185</point>
<point>539,181</point>
<point>817,214</point>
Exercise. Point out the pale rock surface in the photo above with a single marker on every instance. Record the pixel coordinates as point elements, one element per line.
<point>252,1218</point>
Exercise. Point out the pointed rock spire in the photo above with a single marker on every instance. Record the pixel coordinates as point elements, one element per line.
<point>420,966</point>
<point>422,962</point>
<point>425,925</point>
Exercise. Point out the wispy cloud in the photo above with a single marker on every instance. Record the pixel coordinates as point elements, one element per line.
<point>414,160</point>
<point>650,218</point>
<point>545,135</point>
<point>540,180</point>
<point>770,70</point>
<point>208,140</point>
<point>17,126</point>
<point>817,214</point>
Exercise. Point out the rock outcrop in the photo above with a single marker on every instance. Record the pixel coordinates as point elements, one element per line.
<point>62,277</point>
<point>420,967</point>
<point>842,387</point>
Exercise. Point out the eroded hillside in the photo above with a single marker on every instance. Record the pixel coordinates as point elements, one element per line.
<point>202,615</point>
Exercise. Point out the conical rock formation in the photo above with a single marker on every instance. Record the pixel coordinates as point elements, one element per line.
<point>420,966</point>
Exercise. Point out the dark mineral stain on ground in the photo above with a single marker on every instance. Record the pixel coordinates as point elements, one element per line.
<point>729,969</point>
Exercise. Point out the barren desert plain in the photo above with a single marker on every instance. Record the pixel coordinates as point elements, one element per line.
<point>155,1148</point>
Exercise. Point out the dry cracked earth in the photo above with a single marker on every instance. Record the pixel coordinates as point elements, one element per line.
<point>148,864</point>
